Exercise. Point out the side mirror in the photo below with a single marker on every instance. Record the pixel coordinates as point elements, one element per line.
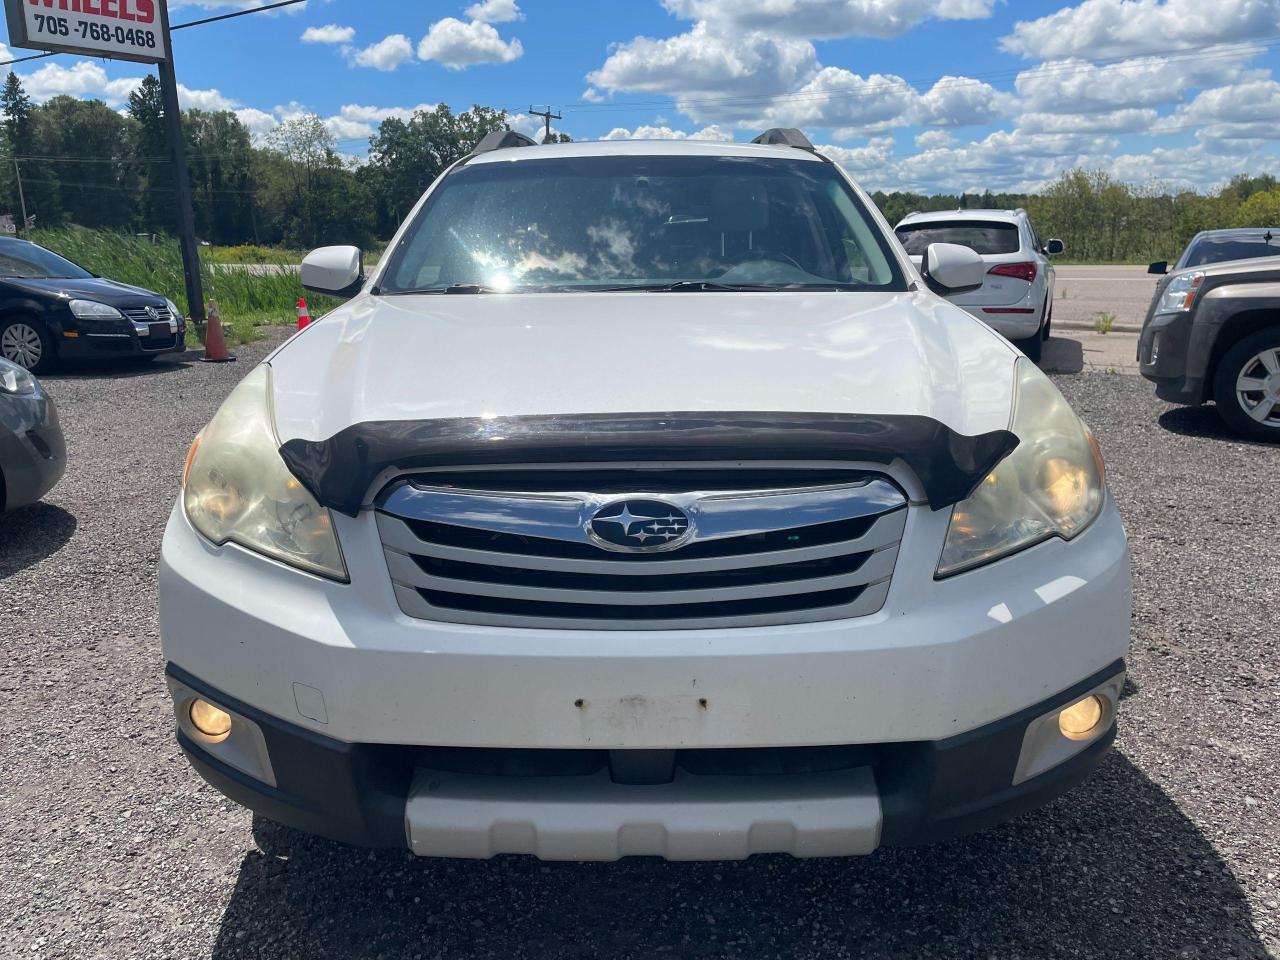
<point>1160,268</point>
<point>337,271</point>
<point>1054,247</point>
<point>949,268</point>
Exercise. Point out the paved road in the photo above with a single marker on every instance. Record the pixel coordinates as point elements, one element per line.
<point>111,847</point>
<point>1084,293</point>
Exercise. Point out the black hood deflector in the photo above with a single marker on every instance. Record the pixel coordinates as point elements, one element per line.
<point>339,471</point>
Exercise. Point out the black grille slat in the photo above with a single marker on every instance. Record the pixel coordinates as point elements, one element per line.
<point>709,580</point>
<point>668,611</point>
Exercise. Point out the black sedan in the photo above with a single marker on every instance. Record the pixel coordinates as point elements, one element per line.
<point>50,308</point>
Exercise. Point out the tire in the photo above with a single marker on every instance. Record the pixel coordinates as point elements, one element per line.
<point>1252,363</point>
<point>1048,321</point>
<point>25,341</point>
<point>1032,347</point>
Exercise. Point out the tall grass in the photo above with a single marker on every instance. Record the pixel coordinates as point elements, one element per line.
<point>246,297</point>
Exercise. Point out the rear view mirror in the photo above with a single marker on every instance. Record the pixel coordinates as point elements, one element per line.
<point>949,268</point>
<point>1054,247</point>
<point>1160,267</point>
<point>337,271</point>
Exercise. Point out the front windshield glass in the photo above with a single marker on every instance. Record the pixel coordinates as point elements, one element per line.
<point>636,222</point>
<point>1224,249</point>
<point>18,258</point>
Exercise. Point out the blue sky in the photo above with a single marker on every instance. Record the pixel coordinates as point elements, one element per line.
<point>933,95</point>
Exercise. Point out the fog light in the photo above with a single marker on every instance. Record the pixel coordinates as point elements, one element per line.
<point>1080,720</point>
<point>213,722</point>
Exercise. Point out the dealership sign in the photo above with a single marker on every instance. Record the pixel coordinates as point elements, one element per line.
<point>119,29</point>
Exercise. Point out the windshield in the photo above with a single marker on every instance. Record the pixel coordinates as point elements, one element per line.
<point>1222,249</point>
<point>982,236</point>
<point>637,222</point>
<point>18,258</point>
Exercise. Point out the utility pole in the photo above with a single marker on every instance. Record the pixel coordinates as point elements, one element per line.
<point>22,200</point>
<point>181,183</point>
<point>547,117</point>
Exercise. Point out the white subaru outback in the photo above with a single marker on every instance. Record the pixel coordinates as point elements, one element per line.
<point>645,499</point>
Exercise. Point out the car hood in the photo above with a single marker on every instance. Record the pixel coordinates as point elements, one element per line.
<point>93,288</point>
<point>407,358</point>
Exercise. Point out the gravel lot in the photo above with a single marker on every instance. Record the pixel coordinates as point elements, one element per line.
<point>110,846</point>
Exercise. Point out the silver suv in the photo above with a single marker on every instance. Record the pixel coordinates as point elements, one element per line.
<point>1016,296</point>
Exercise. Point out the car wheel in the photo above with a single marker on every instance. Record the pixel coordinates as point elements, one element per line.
<point>1048,321</point>
<point>1246,385</point>
<point>25,341</point>
<point>1032,346</point>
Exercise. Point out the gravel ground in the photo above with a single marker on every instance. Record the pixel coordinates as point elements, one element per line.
<point>110,846</point>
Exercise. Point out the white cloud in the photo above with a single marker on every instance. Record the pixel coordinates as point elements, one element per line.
<point>83,79</point>
<point>826,19</point>
<point>495,11</point>
<point>329,33</point>
<point>258,121</point>
<point>385,55</point>
<point>1099,29</point>
<point>713,132</point>
<point>933,139</point>
<point>1243,111</point>
<point>872,165</point>
<point>203,99</point>
<point>1115,121</point>
<point>1077,86</point>
<point>458,45</point>
<point>706,70</point>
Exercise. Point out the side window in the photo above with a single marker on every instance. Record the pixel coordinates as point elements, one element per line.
<point>1036,245</point>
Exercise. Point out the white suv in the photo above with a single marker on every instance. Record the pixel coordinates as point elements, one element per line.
<point>1016,296</point>
<point>645,499</point>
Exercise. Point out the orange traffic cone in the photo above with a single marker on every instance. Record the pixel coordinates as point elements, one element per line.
<point>304,315</point>
<point>215,349</point>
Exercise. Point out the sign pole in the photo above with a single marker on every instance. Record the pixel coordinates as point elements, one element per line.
<point>136,30</point>
<point>181,180</point>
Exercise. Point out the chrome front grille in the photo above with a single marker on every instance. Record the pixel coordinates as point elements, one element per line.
<point>140,315</point>
<point>752,557</point>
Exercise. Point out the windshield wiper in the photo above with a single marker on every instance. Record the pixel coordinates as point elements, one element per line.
<point>713,286</point>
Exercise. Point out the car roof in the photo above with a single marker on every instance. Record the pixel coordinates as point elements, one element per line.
<point>1229,232</point>
<point>637,148</point>
<point>997,216</point>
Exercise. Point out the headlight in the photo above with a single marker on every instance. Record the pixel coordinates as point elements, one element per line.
<point>1050,485</point>
<point>173,310</point>
<point>93,310</point>
<point>15,379</point>
<point>1181,292</point>
<point>236,487</point>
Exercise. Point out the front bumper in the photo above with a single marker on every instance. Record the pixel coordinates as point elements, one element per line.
<point>101,339</point>
<point>33,452</point>
<point>1166,347</point>
<point>365,697</point>
<point>900,794</point>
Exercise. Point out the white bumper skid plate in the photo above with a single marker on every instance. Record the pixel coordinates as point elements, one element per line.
<point>691,818</point>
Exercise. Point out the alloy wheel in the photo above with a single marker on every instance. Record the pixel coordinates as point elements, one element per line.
<point>21,344</point>
<point>1258,387</point>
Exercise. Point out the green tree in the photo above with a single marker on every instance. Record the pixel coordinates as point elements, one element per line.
<point>1260,210</point>
<point>406,156</point>
<point>93,179</point>
<point>151,151</point>
<point>18,130</point>
<point>220,160</point>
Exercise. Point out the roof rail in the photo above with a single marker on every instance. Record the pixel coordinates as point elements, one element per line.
<point>785,137</point>
<point>501,140</point>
